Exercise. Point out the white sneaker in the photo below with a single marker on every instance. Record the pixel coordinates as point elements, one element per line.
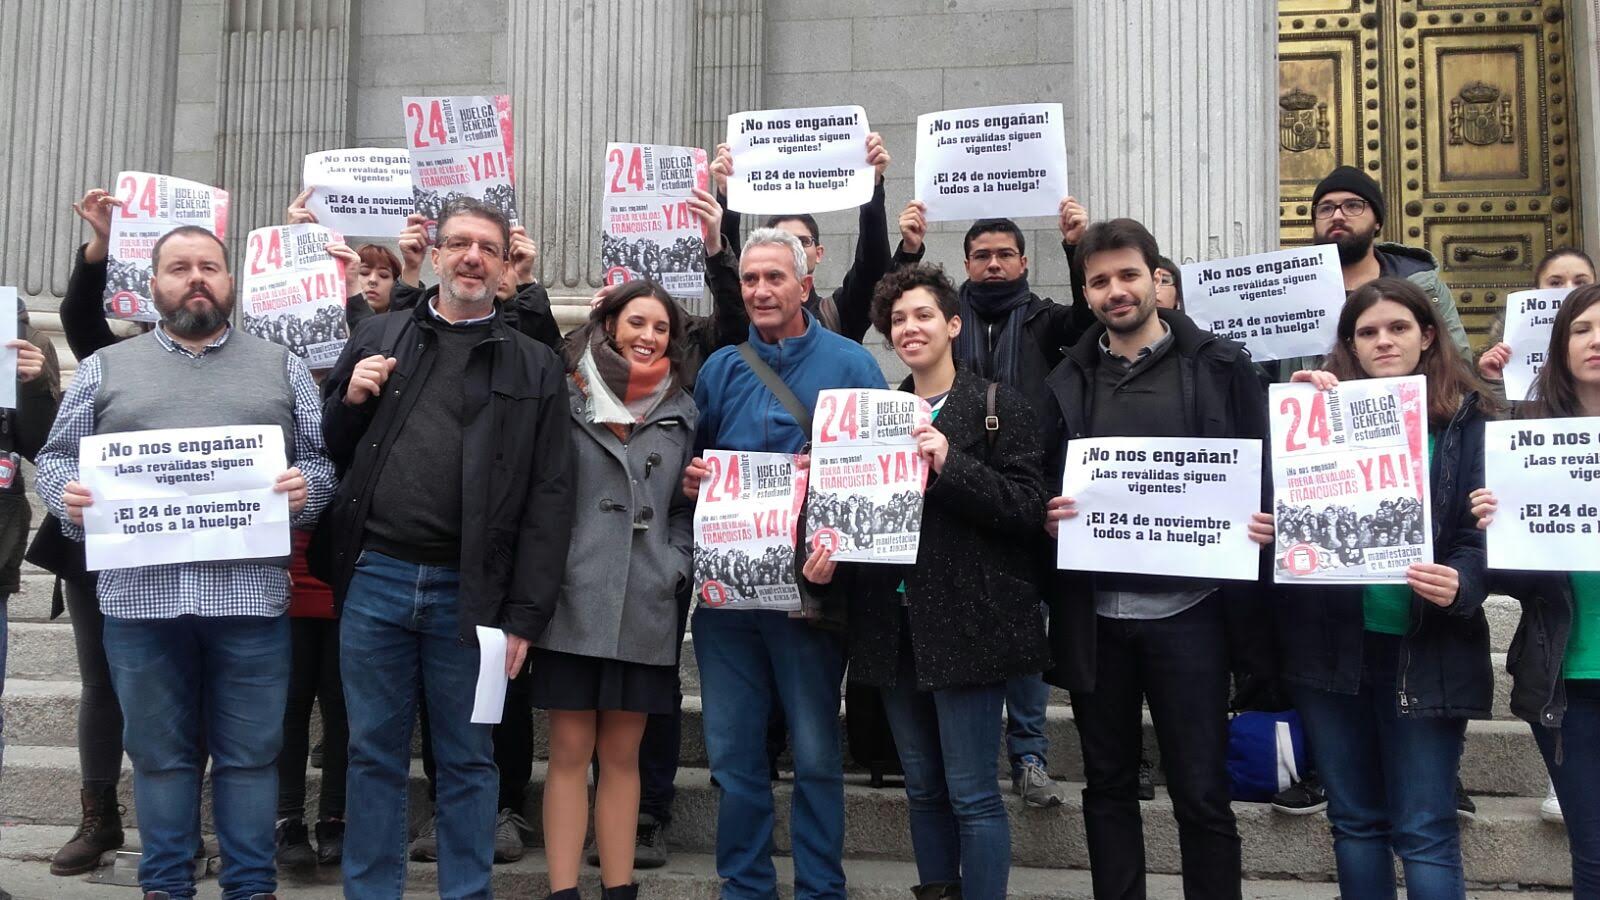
<point>1550,809</point>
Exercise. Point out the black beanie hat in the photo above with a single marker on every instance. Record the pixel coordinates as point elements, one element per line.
<point>1352,179</point>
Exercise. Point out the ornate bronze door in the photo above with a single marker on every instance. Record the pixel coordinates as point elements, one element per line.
<point>1459,108</point>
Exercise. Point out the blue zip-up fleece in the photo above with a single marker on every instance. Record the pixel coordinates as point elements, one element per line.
<point>737,412</point>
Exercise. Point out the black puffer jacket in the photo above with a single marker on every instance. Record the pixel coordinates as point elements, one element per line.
<point>1444,659</point>
<point>973,601</point>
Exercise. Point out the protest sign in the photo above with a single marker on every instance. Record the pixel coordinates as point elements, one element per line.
<point>992,161</point>
<point>150,206</point>
<point>1281,305</point>
<point>1350,480</point>
<point>799,160</point>
<point>460,147</point>
<point>8,356</point>
<point>1545,473</point>
<point>1162,506</point>
<point>489,694</point>
<point>867,477</point>
<point>744,531</point>
<point>362,190</point>
<point>1530,319</point>
<point>294,292</point>
<point>650,229</point>
<point>178,495</point>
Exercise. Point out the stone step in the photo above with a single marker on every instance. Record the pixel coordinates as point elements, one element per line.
<point>1500,757</point>
<point>31,603</point>
<point>1507,844</point>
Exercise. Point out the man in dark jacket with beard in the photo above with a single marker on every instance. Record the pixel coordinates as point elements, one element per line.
<point>451,430</point>
<point>1119,640</point>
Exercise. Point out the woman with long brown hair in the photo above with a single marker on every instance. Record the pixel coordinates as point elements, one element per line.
<point>1385,677</point>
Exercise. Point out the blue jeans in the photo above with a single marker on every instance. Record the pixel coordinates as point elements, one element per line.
<point>187,686</point>
<point>1391,783</point>
<point>1575,779</point>
<point>744,657</point>
<point>399,627</point>
<point>949,751</point>
<point>1027,697</point>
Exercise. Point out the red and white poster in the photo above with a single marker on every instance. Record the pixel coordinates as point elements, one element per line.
<point>650,229</point>
<point>745,530</point>
<point>460,147</point>
<point>867,477</point>
<point>151,206</point>
<point>1350,480</point>
<point>292,292</point>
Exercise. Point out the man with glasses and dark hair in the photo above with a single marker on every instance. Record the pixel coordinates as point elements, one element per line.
<point>451,430</point>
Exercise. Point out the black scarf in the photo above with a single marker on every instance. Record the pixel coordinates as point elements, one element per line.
<point>984,303</point>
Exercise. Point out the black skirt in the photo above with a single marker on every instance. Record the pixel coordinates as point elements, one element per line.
<point>567,681</point>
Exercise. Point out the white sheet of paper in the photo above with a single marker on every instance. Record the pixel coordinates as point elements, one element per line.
<point>1545,473</point>
<point>360,191</point>
<point>992,161</point>
<point>1281,305</point>
<point>1162,506</point>
<point>1530,318</point>
<point>799,160</point>
<point>8,356</point>
<point>489,701</point>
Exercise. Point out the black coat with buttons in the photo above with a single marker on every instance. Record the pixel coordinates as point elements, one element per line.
<point>972,599</point>
<point>1539,648</point>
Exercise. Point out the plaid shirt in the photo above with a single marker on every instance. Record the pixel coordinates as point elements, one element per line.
<point>186,589</point>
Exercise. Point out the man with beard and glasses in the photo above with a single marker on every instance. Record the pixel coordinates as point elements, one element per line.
<point>1121,640</point>
<point>198,652</point>
<point>1347,210</point>
<point>451,428</point>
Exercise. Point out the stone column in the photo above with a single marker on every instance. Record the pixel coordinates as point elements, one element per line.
<point>285,75</point>
<point>87,88</point>
<point>1176,121</point>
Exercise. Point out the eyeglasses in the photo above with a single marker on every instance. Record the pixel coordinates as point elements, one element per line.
<point>455,246</point>
<point>983,256</point>
<point>1351,208</point>
<point>806,241</point>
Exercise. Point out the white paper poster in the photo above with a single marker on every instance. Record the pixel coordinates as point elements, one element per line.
<point>745,531</point>
<point>1280,305</point>
<point>489,695</point>
<point>293,292</point>
<point>1545,473</point>
<point>799,160</point>
<point>1530,319</point>
<point>1350,480</point>
<point>1162,506</point>
<point>867,478</point>
<point>184,495</point>
<point>992,161</point>
<point>8,356</point>
<point>460,147</point>
<point>362,191</point>
<point>650,229</point>
<point>151,206</point>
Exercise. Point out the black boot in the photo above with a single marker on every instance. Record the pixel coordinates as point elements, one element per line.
<point>937,890</point>
<point>98,833</point>
<point>625,892</point>
<point>330,842</point>
<point>294,846</point>
<point>568,894</point>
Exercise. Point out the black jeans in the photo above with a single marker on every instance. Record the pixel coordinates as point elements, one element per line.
<point>313,675</point>
<point>99,715</point>
<point>513,745</point>
<point>1180,664</point>
<point>662,742</point>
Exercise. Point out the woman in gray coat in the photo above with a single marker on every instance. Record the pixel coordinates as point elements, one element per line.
<point>609,656</point>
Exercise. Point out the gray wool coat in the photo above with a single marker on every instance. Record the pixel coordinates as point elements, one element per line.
<point>632,537</point>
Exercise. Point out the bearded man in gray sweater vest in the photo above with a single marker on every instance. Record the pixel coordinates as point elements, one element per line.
<point>199,651</point>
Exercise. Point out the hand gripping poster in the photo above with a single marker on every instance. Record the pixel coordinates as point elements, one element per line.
<point>650,229</point>
<point>745,530</point>
<point>1530,319</point>
<point>1350,480</point>
<point>293,292</point>
<point>867,477</point>
<point>149,207</point>
<point>460,147</point>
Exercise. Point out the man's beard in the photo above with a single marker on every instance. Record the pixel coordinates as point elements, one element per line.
<point>1143,311</point>
<point>1352,247</point>
<point>451,291</point>
<point>181,321</point>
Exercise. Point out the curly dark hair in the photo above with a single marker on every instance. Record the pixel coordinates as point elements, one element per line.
<point>922,275</point>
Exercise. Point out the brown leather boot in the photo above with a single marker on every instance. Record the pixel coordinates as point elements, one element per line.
<point>100,831</point>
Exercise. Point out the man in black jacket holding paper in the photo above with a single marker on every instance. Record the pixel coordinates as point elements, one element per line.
<point>1119,640</point>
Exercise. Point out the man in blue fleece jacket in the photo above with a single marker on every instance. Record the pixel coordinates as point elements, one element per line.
<point>747,657</point>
